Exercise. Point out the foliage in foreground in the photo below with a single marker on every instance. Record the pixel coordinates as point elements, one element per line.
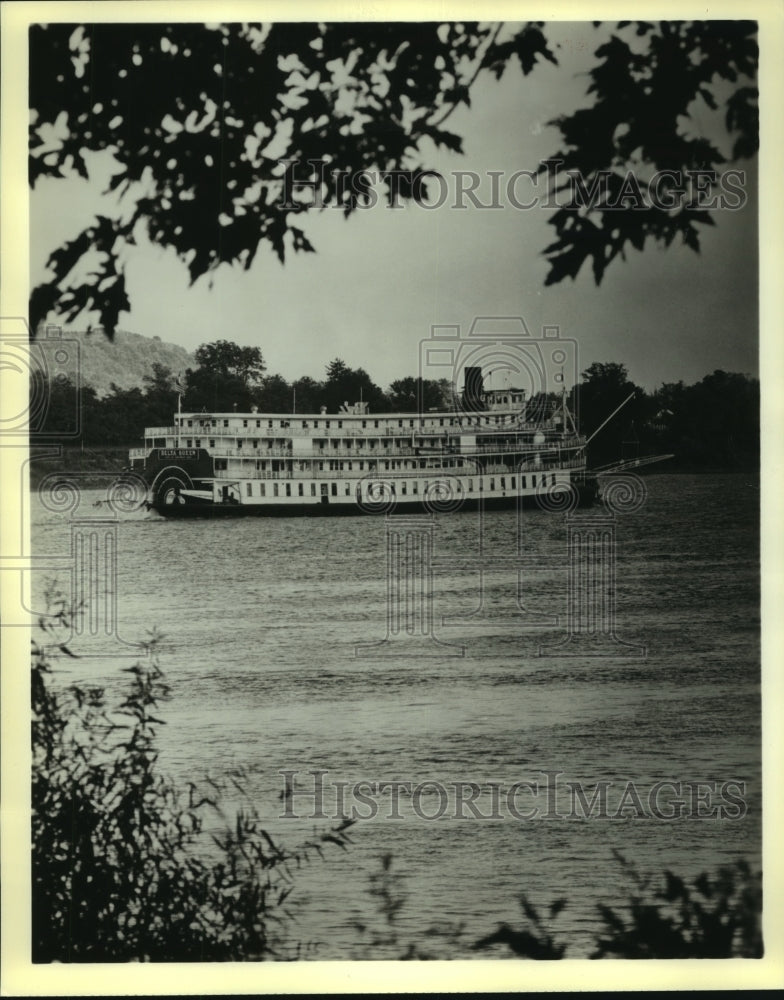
<point>209,127</point>
<point>115,876</point>
<point>383,937</point>
<point>715,916</point>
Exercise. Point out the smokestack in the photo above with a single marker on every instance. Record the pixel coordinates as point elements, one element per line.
<point>473,388</point>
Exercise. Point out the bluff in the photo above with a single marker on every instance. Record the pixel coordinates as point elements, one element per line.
<point>123,361</point>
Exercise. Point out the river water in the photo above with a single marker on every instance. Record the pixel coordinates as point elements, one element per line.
<point>269,626</point>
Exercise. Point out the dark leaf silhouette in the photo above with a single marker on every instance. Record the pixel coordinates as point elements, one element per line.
<point>116,872</point>
<point>218,131</point>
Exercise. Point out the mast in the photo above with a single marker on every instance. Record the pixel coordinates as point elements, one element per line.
<point>617,408</point>
<point>568,413</point>
<point>179,385</point>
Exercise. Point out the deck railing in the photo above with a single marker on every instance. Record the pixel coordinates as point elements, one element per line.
<point>419,430</point>
<point>293,428</point>
<point>389,451</point>
<point>297,475</point>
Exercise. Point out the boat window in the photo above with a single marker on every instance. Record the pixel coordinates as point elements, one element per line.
<point>513,482</point>
<point>523,482</point>
<point>244,423</point>
<point>324,489</point>
<point>415,487</point>
<point>503,483</point>
<point>255,443</point>
<point>225,423</point>
<point>533,481</point>
<point>312,489</point>
<point>189,443</point>
<point>275,489</point>
<point>348,489</point>
<point>198,442</point>
<point>262,489</point>
<point>470,486</point>
<point>334,489</point>
<point>340,423</point>
<point>258,423</point>
<point>288,489</point>
<point>212,442</point>
<point>249,489</point>
<point>190,423</point>
<point>403,489</point>
<point>481,484</point>
<point>492,484</point>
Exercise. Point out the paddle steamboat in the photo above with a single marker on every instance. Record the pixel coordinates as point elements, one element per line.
<point>504,451</point>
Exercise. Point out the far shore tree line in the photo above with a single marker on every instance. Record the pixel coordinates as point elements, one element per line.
<point>713,423</point>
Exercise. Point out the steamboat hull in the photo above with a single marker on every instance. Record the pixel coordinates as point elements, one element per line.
<point>586,493</point>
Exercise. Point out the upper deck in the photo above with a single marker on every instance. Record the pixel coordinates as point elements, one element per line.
<point>507,413</point>
<point>507,425</point>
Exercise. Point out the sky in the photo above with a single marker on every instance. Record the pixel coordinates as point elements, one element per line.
<point>383,278</point>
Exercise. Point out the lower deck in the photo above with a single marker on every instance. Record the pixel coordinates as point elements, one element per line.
<point>178,496</point>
